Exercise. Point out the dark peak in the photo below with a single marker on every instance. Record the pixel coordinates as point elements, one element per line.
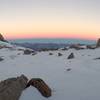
<point>98,43</point>
<point>2,38</point>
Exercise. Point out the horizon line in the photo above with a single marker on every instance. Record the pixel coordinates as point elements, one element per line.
<point>51,38</point>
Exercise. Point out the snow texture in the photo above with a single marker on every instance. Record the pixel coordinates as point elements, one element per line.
<point>82,82</point>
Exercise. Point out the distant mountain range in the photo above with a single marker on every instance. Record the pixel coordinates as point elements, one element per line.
<point>45,44</point>
<point>53,40</point>
<point>40,44</point>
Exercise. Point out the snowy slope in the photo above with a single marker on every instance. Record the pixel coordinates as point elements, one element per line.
<point>5,44</point>
<point>81,83</point>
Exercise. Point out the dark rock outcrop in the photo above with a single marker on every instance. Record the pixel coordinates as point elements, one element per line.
<point>76,47</point>
<point>2,38</point>
<point>50,53</point>
<point>64,49</point>
<point>69,69</point>
<point>98,43</point>
<point>28,52</point>
<point>97,58</point>
<point>12,88</point>
<point>42,87</point>
<point>1,59</point>
<point>71,56</point>
<point>59,54</point>
<point>90,47</point>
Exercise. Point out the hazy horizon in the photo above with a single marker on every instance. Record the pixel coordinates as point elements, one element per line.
<point>53,40</point>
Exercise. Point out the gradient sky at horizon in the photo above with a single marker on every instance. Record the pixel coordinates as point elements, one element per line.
<point>50,18</point>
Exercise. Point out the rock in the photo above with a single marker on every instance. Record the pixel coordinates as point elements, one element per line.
<point>34,53</point>
<point>98,43</point>
<point>69,69</point>
<point>1,59</point>
<point>2,38</point>
<point>77,46</point>
<point>71,56</point>
<point>18,53</point>
<point>64,49</point>
<point>42,87</point>
<point>90,47</point>
<point>28,52</point>
<point>50,53</point>
<point>12,88</point>
<point>59,54</point>
<point>97,58</point>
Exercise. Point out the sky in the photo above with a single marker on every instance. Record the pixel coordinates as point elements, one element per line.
<point>50,19</point>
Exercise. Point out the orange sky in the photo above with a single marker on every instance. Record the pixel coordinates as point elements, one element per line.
<point>52,35</point>
<point>50,19</point>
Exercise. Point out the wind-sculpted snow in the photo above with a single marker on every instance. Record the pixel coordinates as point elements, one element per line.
<point>82,82</point>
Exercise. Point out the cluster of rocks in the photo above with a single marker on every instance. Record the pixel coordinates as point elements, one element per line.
<point>12,88</point>
<point>29,51</point>
<point>71,56</point>
<point>48,49</point>
<point>80,46</point>
<point>64,49</point>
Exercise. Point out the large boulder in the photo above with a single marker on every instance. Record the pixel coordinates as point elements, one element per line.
<point>12,88</point>
<point>98,43</point>
<point>42,87</point>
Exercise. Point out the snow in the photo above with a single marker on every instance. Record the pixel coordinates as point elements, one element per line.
<point>82,82</point>
<point>5,44</point>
